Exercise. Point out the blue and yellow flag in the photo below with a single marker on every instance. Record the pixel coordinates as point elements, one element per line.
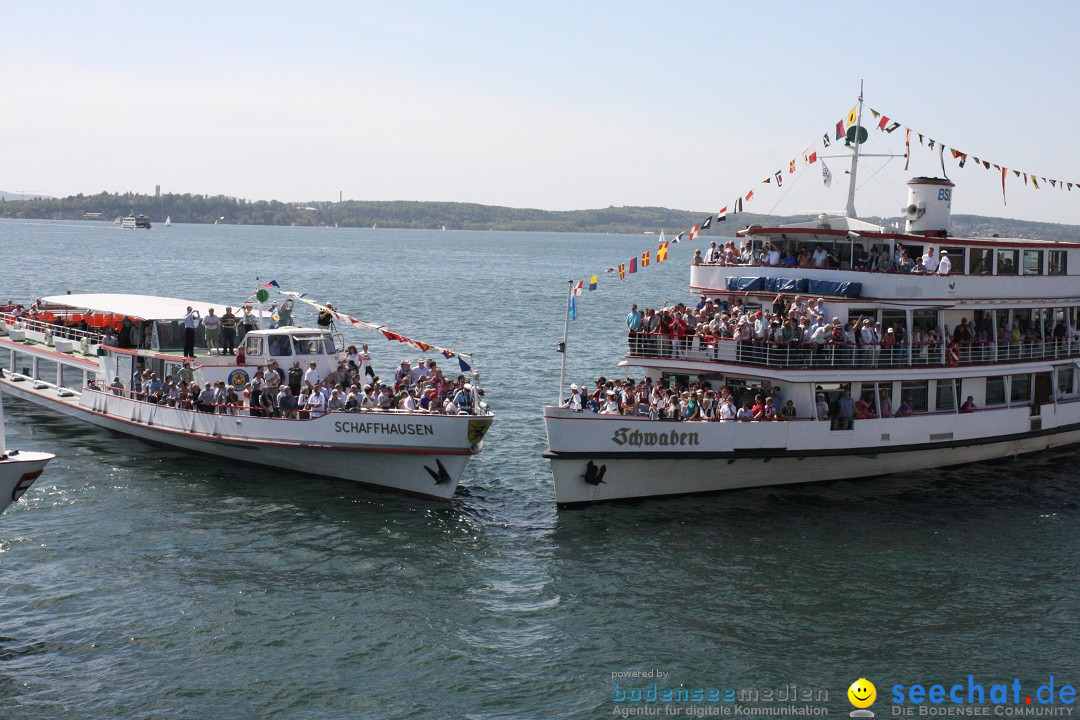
<point>592,282</point>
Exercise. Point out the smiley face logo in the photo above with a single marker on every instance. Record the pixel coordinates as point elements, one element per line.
<point>862,693</point>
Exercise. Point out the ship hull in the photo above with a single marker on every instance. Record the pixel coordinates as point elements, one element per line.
<point>409,453</point>
<point>698,458</point>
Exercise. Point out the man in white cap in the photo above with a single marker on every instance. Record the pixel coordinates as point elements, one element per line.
<point>944,264</point>
<point>574,403</point>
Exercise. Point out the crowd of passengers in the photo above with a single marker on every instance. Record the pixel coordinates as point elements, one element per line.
<point>685,400</point>
<point>877,259</point>
<point>796,322</point>
<point>302,393</point>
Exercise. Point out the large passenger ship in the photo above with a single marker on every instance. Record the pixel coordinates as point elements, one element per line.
<point>970,358</point>
<point>79,355</point>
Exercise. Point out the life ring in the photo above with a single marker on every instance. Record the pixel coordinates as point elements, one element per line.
<point>952,357</point>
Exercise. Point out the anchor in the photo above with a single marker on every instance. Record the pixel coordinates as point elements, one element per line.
<point>594,475</point>
<point>441,476</point>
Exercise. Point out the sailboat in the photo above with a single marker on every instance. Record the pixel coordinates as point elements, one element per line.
<point>168,221</point>
<point>373,225</point>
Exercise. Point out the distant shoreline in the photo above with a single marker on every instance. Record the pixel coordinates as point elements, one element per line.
<point>418,215</point>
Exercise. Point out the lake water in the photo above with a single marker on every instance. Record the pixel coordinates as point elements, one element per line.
<point>143,583</point>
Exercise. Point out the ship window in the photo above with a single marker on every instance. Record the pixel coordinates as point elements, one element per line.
<point>253,345</point>
<point>328,344</point>
<point>1020,390</point>
<point>995,390</point>
<point>308,345</point>
<point>279,345</point>
<point>1033,262</point>
<point>1008,262</point>
<point>916,392</point>
<point>1065,377</point>
<point>956,260</point>
<point>1057,264</point>
<point>946,400</point>
<point>982,261</point>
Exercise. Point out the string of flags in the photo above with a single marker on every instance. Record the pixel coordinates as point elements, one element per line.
<point>845,130</point>
<point>464,360</point>
<point>887,124</point>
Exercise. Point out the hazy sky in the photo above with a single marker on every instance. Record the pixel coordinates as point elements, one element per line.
<point>545,104</point>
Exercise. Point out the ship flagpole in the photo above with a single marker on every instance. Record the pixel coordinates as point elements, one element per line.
<point>850,210</point>
<point>3,447</point>
<point>565,335</point>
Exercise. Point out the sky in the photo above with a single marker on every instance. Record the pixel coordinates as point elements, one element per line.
<point>552,105</point>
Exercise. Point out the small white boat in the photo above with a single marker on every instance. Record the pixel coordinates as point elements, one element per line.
<point>18,470</point>
<point>168,221</point>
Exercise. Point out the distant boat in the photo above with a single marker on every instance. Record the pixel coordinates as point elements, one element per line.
<point>373,225</point>
<point>168,221</point>
<point>443,227</point>
<point>649,232</point>
<point>135,222</point>
<point>660,241</point>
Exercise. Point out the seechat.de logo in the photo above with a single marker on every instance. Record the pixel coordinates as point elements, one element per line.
<point>862,695</point>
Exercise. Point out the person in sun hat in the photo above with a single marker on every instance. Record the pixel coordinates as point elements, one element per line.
<point>944,263</point>
<point>574,401</point>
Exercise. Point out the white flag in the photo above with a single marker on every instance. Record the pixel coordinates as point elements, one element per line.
<point>825,174</point>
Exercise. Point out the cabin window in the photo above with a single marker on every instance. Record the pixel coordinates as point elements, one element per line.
<point>956,260</point>
<point>982,261</point>
<point>915,391</point>
<point>308,345</point>
<point>1065,377</point>
<point>995,390</point>
<point>946,398</point>
<point>1057,263</point>
<point>860,313</point>
<point>1008,262</point>
<point>328,344</point>
<point>280,345</point>
<point>1020,389</point>
<point>1033,262</point>
<point>253,345</point>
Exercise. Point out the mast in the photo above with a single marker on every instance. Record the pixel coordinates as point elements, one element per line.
<point>850,211</point>
<point>3,448</point>
<point>562,345</point>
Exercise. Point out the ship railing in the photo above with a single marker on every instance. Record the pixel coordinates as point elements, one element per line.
<point>244,409</point>
<point>706,348</point>
<point>51,329</point>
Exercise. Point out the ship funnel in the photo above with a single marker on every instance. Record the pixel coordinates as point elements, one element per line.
<point>929,206</point>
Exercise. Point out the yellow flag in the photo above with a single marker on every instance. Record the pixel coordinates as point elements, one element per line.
<point>661,252</point>
<point>853,115</point>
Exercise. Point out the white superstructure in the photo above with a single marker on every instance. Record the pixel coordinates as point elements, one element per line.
<point>413,452</point>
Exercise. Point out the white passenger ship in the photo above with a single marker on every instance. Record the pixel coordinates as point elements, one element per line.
<point>60,360</point>
<point>1006,388</point>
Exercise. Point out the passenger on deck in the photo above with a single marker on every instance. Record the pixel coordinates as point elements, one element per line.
<point>212,325</point>
<point>969,405</point>
<point>944,264</point>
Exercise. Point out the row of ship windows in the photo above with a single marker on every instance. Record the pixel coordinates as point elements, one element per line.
<point>964,260</point>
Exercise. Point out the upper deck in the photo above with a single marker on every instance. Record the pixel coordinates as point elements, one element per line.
<point>984,270</point>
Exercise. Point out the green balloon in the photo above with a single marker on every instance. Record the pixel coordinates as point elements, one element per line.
<point>262,295</point>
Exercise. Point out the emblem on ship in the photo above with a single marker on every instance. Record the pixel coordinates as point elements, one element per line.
<point>477,430</point>
<point>238,378</point>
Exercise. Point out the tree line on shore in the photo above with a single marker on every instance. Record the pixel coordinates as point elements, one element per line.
<point>189,208</point>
